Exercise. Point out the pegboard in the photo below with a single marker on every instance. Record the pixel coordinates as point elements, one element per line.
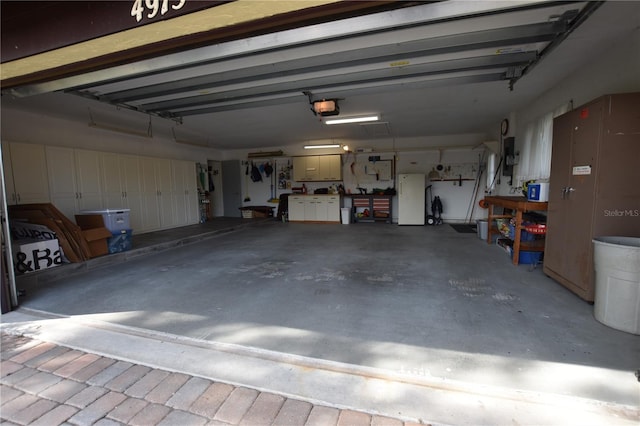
<point>371,172</point>
<point>453,171</point>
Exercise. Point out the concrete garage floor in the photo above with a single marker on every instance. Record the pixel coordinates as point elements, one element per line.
<point>401,318</point>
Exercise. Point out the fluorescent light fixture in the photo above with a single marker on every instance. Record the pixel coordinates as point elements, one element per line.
<point>333,145</point>
<point>353,120</point>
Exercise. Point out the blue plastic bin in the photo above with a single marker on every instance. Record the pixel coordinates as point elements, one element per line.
<point>529,257</point>
<point>524,235</point>
<point>120,241</point>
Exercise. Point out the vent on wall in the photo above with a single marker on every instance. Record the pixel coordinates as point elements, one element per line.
<point>376,129</point>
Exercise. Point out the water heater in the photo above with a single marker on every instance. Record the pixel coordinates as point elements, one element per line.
<point>491,172</point>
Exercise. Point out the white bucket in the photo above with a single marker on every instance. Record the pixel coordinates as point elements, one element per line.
<point>617,299</point>
<point>483,229</point>
<point>345,212</point>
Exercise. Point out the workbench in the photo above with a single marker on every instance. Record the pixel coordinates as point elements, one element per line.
<point>518,206</point>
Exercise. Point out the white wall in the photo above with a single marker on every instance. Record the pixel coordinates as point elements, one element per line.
<point>32,127</point>
<point>408,155</point>
<point>29,127</point>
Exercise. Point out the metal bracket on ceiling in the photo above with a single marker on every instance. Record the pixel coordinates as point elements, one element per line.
<point>147,134</point>
<point>87,95</point>
<point>167,116</point>
<point>188,142</point>
<point>565,25</point>
<point>514,73</point>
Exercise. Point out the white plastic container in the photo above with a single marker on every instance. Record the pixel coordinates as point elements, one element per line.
<point>114,219</point>
<point>617,297</point>
<point>538,192</point>
<point>345,212</point>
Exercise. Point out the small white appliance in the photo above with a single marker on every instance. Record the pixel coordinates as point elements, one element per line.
<point>538,192</point>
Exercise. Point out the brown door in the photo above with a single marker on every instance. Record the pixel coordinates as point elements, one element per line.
<point>580,198</point>
<point>556,238</point>
<point>571,204</point>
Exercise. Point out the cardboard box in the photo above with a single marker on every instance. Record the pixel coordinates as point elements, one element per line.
<point>35,255</point>
<point>21,231</point>
<point>32,231</point>
<point>68,234</point>
<point>95,233</point>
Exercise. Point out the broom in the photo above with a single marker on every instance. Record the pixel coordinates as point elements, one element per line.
<point>246,184</point>
<point>274,198</point>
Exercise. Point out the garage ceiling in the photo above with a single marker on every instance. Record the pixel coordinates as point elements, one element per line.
<point>449,67</point>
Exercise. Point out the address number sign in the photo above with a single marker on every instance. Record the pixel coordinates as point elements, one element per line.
<point>154,8</point>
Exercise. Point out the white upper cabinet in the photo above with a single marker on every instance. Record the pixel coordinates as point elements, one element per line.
<point>317,168</point>
<point>27,164</point>
<point>330,167</point>
<point>306,168</point>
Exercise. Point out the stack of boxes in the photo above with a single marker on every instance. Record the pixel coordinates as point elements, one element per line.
<point>116,221</point>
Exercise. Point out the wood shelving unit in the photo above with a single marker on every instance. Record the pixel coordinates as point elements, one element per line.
<point>518,205</point>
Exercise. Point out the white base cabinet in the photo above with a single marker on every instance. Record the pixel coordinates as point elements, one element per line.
<point>296,208</point>
<point>314,208</point>
<point>333,208</point>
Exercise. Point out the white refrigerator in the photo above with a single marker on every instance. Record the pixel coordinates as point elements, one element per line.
<point>411,199</point>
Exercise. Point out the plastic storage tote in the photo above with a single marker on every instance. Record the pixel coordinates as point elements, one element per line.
<point>114,219</point>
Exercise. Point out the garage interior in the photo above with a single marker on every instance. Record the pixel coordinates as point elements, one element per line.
<point>418,322</point>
